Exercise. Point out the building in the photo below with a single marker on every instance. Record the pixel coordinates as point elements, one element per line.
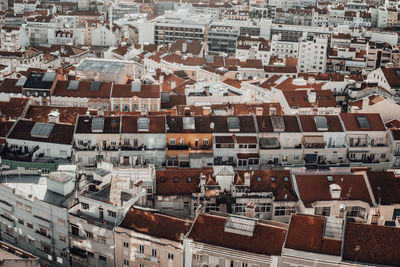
<point>315,46</point>
<point>149,237</point>
<point>101,207</point>
<point>34,214</point>
<point>229,242</point>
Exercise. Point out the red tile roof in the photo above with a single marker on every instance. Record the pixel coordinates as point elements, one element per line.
<point>155,224</point>
<point>372,244</point>
<point>308,123</point>
<point>146,91</point>
<point>324,98</point>
<point>385,187</point>
<point>129,124</point>
<point>350,122</point>
<point>306,234</point>
<point>210,229</point>
<point>83,90</point>
<point>67,114</point>
<point>353,187</point>
<point>167,185</point>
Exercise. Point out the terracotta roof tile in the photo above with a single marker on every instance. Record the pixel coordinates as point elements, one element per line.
<point>155,224</point>
<point>266,239</point>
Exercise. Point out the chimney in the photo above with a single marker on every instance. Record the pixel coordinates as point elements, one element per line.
<point>335,191</point>
<point>312,96</point>
<point>365,103</point>
<point>247,177</point>
<point>53,116</point>
<point>161,79</point>
<point>184,47</point>
<point>111,18</point>
<point>250,210</point>
<point>259,111</point>
<point>272,111</point>
<point>346,78</point>
<point>173,84</point>
<point>311,80</point>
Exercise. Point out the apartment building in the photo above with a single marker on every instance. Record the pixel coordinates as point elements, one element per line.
<point>102,206</point>
<point>227,243</point>
<point>189,141</point>
<point>96,138</point>
<point>148,237</point>
<point>35,213</point>
<point>312,54</point>
<point>143,141</point>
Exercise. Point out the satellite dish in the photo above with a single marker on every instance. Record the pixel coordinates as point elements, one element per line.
<point>212,125</point>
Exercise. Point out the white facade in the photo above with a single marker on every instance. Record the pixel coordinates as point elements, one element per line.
<point>312,54</point>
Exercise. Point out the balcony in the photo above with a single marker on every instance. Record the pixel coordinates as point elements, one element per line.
<point>132,148</point>
<point>201,148</point>
<point>6,206</point>
<point>43,234</point>
<point>45,222</point>
<point>7,219</point>
<point>313,142</point>
<point>177,147</point>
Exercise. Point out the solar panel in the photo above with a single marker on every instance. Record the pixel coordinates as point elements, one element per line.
<point>42,130</point>
<point>240,225</point>
<point>188,123</point>
<point>49,77</point>
<point>233,123</point>
<point>143,124</point>
<point>98,124</point>
<point>73,85</point>
<point>94,86</point>
<point>21,81</point>
<point>363,122</point>
<point>321,123</point>
<point>277,123</point>
<point>136,86</point>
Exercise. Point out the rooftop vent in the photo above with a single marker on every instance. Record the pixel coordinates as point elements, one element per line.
<point>335,190</point>
<point>42,130</point>
<point>188,123</point>
<point>321,123</point>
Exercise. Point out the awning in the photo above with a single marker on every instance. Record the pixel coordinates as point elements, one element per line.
<point>309,158</point>
<point>248,156</point>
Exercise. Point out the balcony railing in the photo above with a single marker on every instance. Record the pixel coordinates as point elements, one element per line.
<point>178,147</point>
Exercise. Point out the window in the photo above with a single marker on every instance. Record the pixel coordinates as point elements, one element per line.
<point>61,222</point>
<point>154,252</point>
<point>20,221</point>
<point>176,179</point>
<point>112,214</point>
<point>89,235</point>
<point>141,249</point>
<point>141,265</point>
<point>283,211</point>
<point>28,208</point>
<point>205,142</point>
<point>181,141</point>
<point>273,179</point>
<point>102,239</point>
<point>172,141</point>
<point>383,155</point>
<point>102,258</point>
<point>186,205</point>
<point>126,262</point>
<point>324,211</point>
<point>63,238</point>
<point>19,204</point>
<point>170,256</point>
<point>188,179</point>
<point>84,206</point>
<point>126,244</point>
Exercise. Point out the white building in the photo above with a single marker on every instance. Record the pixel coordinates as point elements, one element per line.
<point>312,54</point>
<point>34,213</point>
